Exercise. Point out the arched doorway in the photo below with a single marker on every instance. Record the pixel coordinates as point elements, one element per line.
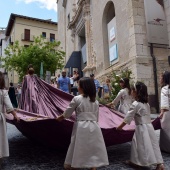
<point>108,16</point>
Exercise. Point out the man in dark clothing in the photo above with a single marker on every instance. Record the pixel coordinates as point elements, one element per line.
<point>12,95</point>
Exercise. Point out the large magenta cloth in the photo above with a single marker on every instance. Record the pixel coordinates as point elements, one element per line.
<point>41,104</point>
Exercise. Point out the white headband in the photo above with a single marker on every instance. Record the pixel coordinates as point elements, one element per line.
<point>135,86</point>
<point>122,79</point>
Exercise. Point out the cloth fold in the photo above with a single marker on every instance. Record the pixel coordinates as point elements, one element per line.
<point>41,104</point>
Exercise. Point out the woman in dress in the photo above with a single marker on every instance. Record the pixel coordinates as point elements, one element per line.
<point>124,97</point>
<point>145,149</point>
<point>165,112</point>
<point>87,148</point>
<point>5,106</point>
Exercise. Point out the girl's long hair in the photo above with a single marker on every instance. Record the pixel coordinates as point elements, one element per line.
<point>141,92</point>
<point>2,81</point>
<point>89,88</point>
<point>125,81</point>
<point>166,78</point>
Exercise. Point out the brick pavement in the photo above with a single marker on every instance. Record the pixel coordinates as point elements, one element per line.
<point>26,155</point>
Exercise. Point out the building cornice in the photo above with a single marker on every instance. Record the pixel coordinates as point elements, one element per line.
<point>80,4</point>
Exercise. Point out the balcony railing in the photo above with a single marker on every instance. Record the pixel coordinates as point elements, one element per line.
<point>27,38</point>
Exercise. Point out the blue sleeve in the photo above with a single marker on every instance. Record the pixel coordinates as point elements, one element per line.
<point>68,80</point>
<point>98,84</point>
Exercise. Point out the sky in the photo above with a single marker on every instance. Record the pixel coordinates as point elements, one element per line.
<point>42,9</point>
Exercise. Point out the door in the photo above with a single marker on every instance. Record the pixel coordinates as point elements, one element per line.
<point>27,34</point>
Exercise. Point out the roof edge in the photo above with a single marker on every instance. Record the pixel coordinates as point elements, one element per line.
<point>14,16</point>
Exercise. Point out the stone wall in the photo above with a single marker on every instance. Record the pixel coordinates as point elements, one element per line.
<point>133,47</point>
<point>167,12</point>
<point>64,34</point>
<point>121,14</point>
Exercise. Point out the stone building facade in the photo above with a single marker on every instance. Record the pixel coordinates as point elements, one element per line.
<point>23,29</point>
<point>84,24</point>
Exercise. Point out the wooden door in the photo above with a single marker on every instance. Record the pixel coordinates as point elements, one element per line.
<point>27,34</point>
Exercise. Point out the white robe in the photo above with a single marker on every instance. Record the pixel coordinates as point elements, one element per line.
<point>145,149</point>
<point>87,148</point>
<point>4,103</point>
<point>165,122</point>
<point>125,100</point>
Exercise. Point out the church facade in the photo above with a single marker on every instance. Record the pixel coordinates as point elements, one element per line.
<point>114,35</point>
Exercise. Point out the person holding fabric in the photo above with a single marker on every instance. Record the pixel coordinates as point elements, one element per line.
<point>5,103</point>
<point>86,131</point>
<point>124,97</point>
<point>12,95</point>
<point>64,83</point>
<point>165,112</point>
<point>145,149</point>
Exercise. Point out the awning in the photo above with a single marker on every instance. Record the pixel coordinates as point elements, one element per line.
<point>74,61</point>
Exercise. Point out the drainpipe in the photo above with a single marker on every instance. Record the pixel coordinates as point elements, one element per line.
<point>155,77</point>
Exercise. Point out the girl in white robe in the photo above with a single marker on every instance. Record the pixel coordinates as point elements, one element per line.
<point>124,97</point>
<point>145,149</point>
<point>5,106</point>
<point>165,112</point>
<point>87,148</point>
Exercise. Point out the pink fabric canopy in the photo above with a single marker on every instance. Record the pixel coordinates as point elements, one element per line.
<point>41,104</point>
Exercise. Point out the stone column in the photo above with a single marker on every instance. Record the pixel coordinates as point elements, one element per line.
<point>142,65</point>
<point>167,13</point>
<point>86,12</point>
<point>138,48</point>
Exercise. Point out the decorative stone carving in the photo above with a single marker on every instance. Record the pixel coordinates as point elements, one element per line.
<point>64,3</point>
<point>81,18</point>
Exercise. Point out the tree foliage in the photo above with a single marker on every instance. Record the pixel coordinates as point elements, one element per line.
<point>19,57</point>
<point>116,79</point>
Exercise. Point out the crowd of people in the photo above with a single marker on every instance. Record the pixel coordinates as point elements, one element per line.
<point>66,83</point>
<point>69,84</point>
<point>145,147</point>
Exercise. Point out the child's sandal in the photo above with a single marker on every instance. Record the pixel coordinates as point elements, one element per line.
<point>93,169</point>
<point>67,167</point>
<point>160,167</point>
<point>128,162</point>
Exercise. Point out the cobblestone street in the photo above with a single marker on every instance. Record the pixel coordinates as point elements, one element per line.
<point>25,155</point>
